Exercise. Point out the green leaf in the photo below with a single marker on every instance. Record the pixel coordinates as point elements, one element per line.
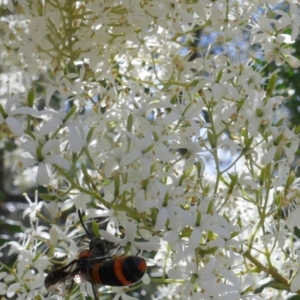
<point>234,179</point>
<point>48,197</point>
<point>293,297</point>
<point>210,207</point>
<point>185,175</point>
<point>272,84</point>
<point>222,179</point>
<point>208,251</point>
<point>89,135</point>
<point>234,234</point>
<point>269,282</point>
<point>155,136</point>
<point>129,122</point>
<point>70,113</point>
<point>211,139</point>
<point>219,76</point>
<point>39,154</point>
<point>297,130</point>
<point>86,175</point>
<point>30,97</point>
<point>198,221</point>
<point>174,99</point>
<point>117,185</point>
<point>2,112</point>
<point>297,231</point>
<point>95,228</point>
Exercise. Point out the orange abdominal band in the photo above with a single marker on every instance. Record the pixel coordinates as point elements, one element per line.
<point>142,266</point>
<point>95,273</point>
<point>118,271</point>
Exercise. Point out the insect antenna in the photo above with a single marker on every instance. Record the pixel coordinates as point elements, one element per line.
<point>81,222</point>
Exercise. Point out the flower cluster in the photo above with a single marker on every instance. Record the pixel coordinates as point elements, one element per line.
<point>150,124</point>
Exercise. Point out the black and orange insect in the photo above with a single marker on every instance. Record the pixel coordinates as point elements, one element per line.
<point>97,267</point>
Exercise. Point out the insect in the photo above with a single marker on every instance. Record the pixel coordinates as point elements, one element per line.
<point>97,267</point>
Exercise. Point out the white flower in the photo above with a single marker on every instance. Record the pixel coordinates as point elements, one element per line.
<point>279,236</point>
<point>137,98</point>
<point>34,207</point>
<point>262,30</point>
<point>176,244</point>
<point>277,50</point>
<point>129,239</point>
<point>290,20</point>
<point>55,120</point>
<point>259,111</point>
<point>295,267</point>
<point>8,115</point>
<point>283,140</point>
<point>43,157</point>
<point>120,294</point>
<point>113,218</point>
<point>3,286</point>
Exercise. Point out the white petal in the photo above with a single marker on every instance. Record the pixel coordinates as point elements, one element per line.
<point>146,166</point>
<point>148,246</point>
<point>58,160</point>
<point>233,147</point>
<point>10,103</point>
<point>171,236</point>
<point>111,238</point>
<point>25,111</point>
<point>293,61</point>
<point>110,166</point>
<point>130,158</point>
<point>295,283</point>
<point>42,175</point>
<point>15,126</point>
<point>53,236</point>
<point>171,117</point>
<point>53,209</point>
<point>230,276</point>
<point>76,142</point>
<point>281,240</point>
<point>3,288</point>
<point>293,219</point>
<point>10,5</point>
<point>30,146</point>
<point>274,131</point>
<point>146,279</point>
<point>50,145</point>
<point>130,231</point>
<point>12,289</point>
<point>267,158</point>
<point>289,154</point>
<point>175,274</point>
<point>195,238</point>
<point>162,152</point>
<point>295,33</point>
<point>50,125</point>
<point>49,92</point>
<point>161,219</point>
<point>24,163</point>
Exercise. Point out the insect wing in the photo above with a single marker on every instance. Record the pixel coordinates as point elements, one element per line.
<point>59,282</point>
<point>85,264</point>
